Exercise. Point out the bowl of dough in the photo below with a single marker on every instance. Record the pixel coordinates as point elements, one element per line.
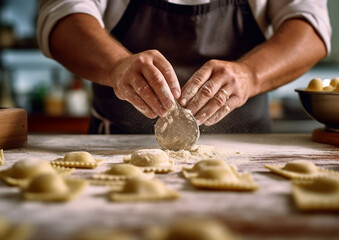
<point>320,101</point>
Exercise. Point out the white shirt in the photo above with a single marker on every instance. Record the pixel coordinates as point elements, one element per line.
<point>269,14</point>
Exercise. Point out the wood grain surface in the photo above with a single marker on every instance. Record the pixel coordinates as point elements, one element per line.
<point>13,127</point>
<point>268,213</point>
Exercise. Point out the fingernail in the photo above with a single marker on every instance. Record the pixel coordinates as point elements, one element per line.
<point>176,93</point>
<point>183,101</point>
<point>169,105</point>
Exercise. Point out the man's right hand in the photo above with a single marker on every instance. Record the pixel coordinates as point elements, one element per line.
<point>146,80</point>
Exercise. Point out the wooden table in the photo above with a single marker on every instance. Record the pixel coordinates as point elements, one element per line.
<point>268,213</point>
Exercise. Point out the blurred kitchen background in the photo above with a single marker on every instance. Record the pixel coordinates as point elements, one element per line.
<point>59,102</point>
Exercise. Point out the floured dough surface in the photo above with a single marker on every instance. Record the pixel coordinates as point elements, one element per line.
<point>219,176</point>
<point>190,228</point>
<point>321,193</point>
<point>150,160</point>
<point>299,169</point>
<point>2,157</point>
<point>24,170</point>
<point>52,187</point>
<point>137,189</point>
<point>78,159</point>
<point>14,232</point>
<point>120,172</point>
<point>104,234</point>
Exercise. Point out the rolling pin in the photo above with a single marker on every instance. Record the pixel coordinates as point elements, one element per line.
<point>13,127</point>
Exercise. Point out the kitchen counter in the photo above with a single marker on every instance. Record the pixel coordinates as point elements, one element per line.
<point>265,214</point>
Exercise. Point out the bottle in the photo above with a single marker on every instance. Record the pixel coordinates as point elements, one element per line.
<point>55,99</point>
<point>77,99</point>
<point>6,97</point>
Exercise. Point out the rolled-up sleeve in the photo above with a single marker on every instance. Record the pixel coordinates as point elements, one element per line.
<point>51,11</point>
<point>314,11</point>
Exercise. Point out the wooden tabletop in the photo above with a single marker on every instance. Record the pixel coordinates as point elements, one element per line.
<point>268,213</point>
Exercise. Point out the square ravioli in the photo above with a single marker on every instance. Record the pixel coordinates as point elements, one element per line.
<point>299,169</point>
<point>23,171</point>
<point>118,173</point>
<point>2,157</point>
<point>150,160</point>
<point>321,193</point>
<point>52,187</point>
<point>10,231</point>
<point>137,189</point>
<point>78,160</point>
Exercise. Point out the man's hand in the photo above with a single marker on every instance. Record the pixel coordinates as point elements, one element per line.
<point>216,89</point>
<point>148,81</point>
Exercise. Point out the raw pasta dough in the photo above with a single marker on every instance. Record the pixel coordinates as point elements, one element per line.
<point>78,160</point>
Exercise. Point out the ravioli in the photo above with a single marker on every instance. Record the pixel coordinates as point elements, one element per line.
<point>192,172</point>
<point>2,157</point>
<point>190,228</point>
<point>24,170</point>
<point>14,232</point>
<point>78,160</point>
<point>52,187</point>
<point>137,189</point>
<point>120,172</point>
<point>321,193</point>
<point>155,160</point>
<point>223,178</point>
<point>299,169</point>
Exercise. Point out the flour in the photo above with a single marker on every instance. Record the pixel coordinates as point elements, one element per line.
<point>197,153</point>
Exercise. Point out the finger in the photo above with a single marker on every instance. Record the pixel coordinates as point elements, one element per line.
<point>194,83</point>
<point>168,72</point>
<point>159,85</point>
<point>214,104</point>
<point>204,95</point>
<point>145,92</point>
<point>223,111</point>
<point>133,98</point>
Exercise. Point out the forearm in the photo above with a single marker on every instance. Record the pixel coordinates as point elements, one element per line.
<point>292,51</point>
<point>85,48</point>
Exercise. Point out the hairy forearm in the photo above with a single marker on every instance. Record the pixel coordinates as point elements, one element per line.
<point>85,48</point>
<point>292,51</point>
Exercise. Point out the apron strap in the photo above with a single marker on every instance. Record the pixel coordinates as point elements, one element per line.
<point>104,126</point>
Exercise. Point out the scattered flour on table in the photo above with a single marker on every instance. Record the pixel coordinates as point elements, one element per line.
<point>197,153</point>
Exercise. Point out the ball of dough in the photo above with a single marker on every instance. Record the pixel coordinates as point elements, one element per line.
<point>328,89</point>
<point>315,84</point>
<point>125,170</point>
<point>217,173</point>
<point>48,183</point>
<point>29,168</point>
<point>335,82</point>
<point>149,158</point>
<point>79,157</point>
<point>144,187</point>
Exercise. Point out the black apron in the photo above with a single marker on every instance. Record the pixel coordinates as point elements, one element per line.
<point>188,36</point>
